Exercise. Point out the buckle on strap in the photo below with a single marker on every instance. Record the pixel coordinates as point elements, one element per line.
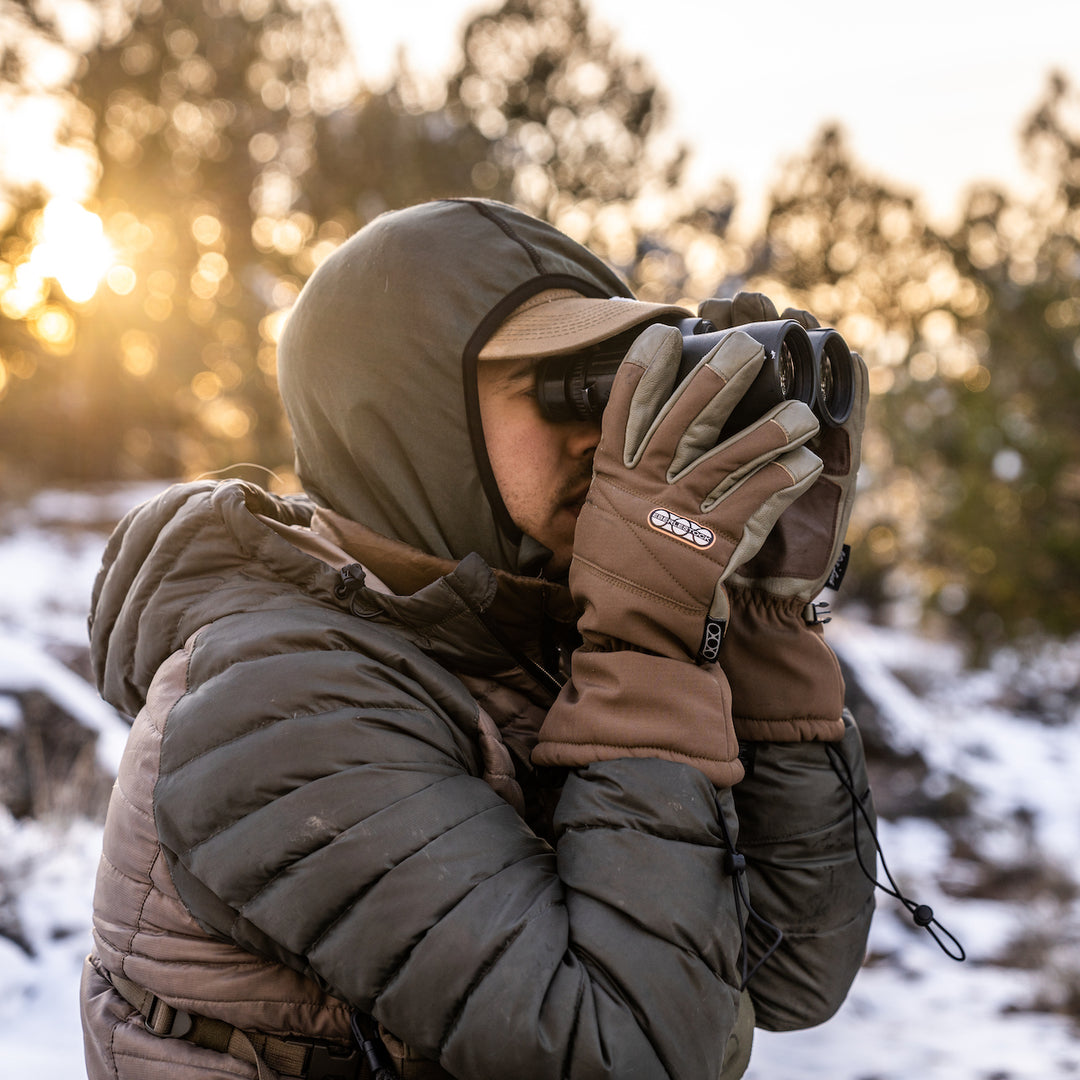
<point>165,1022</point>
<point>817,614</point>
<point>311,1059</point>
<point>331,1061</point>
<point>159,1017</point>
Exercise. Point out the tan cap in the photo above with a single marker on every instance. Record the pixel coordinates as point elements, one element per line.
<point>559,321</point>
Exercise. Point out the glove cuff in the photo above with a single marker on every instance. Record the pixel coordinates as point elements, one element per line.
<point>621,704</point>
<point>786,684</point>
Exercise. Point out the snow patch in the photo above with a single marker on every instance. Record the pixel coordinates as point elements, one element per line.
<point>912,1013</point>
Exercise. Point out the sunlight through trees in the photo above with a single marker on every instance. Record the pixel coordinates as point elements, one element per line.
<point>172,171</point>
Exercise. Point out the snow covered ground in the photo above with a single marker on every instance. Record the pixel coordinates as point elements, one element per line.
<point>999,862</point>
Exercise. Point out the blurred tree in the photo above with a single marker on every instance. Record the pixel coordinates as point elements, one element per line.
<point>43,131</point>
<point>971,491</point>
<point>1011,533</point>
<point>577,126</point>
<point>236,147</point>
<point>396,148</point>
<point>202,115</point>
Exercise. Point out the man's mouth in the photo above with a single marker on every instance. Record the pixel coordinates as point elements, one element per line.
<point>576,500</point>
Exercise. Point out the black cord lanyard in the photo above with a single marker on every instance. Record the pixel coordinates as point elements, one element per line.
<point>921,914</point>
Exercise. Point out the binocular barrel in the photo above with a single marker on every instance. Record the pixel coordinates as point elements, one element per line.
<point>813,366</point>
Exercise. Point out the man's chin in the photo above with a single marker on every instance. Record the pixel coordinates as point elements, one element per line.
<point>558,538</point>
<point>558,566</point>
<point>557,569</point>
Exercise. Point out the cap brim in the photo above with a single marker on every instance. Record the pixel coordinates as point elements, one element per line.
<point>560,321</point>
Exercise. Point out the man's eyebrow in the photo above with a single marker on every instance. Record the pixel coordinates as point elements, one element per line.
<point>517,371</point>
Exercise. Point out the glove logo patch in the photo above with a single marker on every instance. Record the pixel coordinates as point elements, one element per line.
<point>689,532</point>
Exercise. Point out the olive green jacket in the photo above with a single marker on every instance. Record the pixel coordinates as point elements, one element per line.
<point>321,835</point>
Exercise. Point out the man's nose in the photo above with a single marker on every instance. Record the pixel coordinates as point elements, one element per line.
<point>582,436</point>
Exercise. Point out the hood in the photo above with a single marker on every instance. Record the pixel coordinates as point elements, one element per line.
<point>194,553</point>
<point>377,369</point>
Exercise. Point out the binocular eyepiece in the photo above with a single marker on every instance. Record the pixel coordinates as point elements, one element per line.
<point>813,366</point>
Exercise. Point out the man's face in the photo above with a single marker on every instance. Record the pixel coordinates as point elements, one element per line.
<point>543,469</point>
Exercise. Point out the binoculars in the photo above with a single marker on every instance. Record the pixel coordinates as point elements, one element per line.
<point>813,366</point>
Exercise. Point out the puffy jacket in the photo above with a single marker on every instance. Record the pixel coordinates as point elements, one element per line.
<point>302,826</point>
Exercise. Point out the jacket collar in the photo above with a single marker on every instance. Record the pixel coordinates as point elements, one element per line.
<point>441,601</point>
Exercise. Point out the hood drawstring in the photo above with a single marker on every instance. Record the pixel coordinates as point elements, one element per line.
<point>351,579</point>
<point>921,914</point>
<point>735,865</point>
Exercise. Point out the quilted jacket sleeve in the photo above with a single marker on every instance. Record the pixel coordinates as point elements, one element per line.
<point>319,803</point>
<point>809,855</point>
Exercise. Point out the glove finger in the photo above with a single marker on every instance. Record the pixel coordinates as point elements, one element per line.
<point>762,497</point>
<point>644,382</point>
<point>806,541</point>
<point>803,317</point>
<point>710,475</point>
<point>745,307</point>
<point>689,423</point>
<point>750,307</point>
<point>717,310</point>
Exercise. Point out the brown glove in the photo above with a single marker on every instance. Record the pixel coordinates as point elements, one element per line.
<point>669,518</point>
<point>785,681</point>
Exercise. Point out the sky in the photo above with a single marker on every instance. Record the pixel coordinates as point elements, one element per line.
<point>930,100</point>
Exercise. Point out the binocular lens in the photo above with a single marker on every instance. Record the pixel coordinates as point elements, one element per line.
<point>788,373</point>
<point>825,381</point>
<point>785,371</point>
<point>836,379</point>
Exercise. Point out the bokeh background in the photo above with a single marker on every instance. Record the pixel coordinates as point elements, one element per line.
<point>171,171</point>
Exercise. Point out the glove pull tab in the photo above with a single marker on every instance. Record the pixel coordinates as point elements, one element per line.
<point>711,640</point>
<point>836,577</point>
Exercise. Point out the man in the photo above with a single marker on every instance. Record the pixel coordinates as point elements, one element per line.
<point>387,766</point>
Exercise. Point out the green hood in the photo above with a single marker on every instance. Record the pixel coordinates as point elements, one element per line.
<point>377,369</point>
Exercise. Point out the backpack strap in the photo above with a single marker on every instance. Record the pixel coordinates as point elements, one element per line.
<point>272,1055</point>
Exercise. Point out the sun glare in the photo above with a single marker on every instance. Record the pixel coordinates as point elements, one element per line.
<point>71,248</point>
